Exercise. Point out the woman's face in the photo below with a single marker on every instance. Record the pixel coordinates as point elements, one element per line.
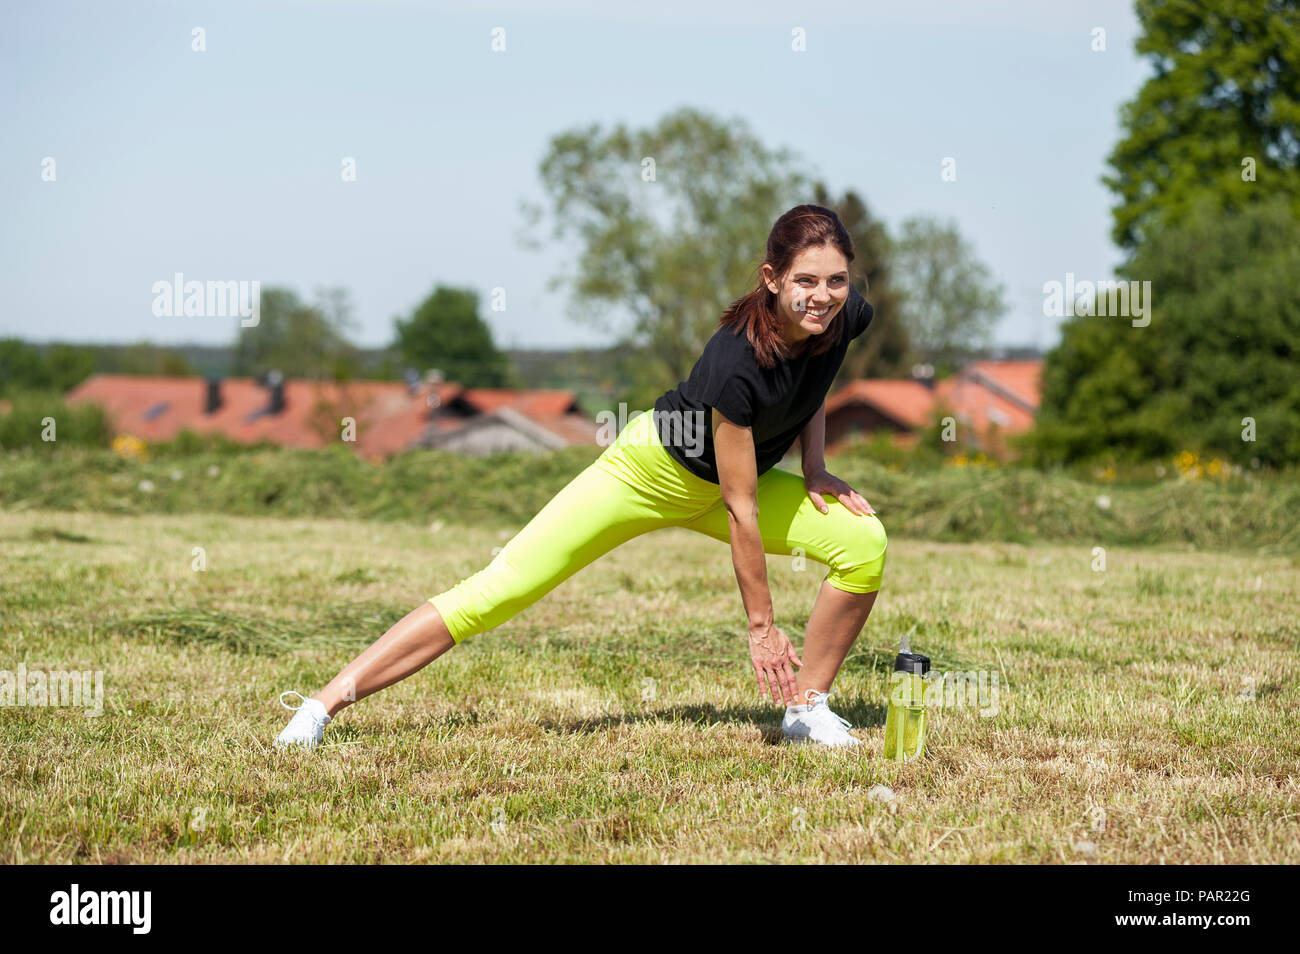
<point>812,293</point>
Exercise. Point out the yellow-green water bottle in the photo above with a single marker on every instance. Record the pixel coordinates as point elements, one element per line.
<point>905,721</point>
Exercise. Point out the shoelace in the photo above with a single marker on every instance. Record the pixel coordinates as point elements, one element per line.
<point>321,719</point>
<point>293,692</point>
<point>818,704</point>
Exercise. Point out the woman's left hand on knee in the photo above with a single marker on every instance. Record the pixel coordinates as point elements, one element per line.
<point>822,482</point>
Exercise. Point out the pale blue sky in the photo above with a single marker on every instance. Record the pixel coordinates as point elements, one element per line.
<point>225,164</point>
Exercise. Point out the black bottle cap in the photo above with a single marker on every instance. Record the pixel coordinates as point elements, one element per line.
<point>912,662</point>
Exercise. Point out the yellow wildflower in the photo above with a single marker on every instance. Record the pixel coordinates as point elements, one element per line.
<point>130,447</point>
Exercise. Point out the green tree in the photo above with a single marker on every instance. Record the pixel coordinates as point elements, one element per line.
<point>446,332</point>
<point>670,223</point>
<point>1225,90</point>
<point>1215,366</point>
<point>22,368</point>
<point>144,357</point>
<point>26,367</point>
<point>297,339</point>
<point>950,300</point>
<point>23,424</point>
<point>69,365</point>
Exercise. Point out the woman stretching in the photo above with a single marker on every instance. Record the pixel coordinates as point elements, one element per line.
<point>705,460</point>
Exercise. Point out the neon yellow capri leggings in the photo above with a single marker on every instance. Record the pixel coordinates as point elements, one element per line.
<point>634,487</point>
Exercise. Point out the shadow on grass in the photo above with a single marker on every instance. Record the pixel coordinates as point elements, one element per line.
<point>859,712</point>
<point>766,719</point>
<point>51,535</point>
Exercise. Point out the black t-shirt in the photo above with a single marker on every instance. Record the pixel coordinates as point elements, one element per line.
<point>776,403</point>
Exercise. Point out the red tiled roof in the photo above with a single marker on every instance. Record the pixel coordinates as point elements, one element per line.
<point>574,428</point>
<point>388,417</point>
<point>1002,394</point>
<point>534,404</point>
<point>1021,380</point>
<point>906,401</point>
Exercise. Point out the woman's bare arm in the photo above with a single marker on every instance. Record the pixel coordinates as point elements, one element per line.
<point>812,443</point>
<point>770,648</point>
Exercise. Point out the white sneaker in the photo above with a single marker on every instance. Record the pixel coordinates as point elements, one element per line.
<point>307,726</point>
<point>816,723</point>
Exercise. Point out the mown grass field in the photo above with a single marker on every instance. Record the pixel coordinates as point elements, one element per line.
<point>1148,710</point>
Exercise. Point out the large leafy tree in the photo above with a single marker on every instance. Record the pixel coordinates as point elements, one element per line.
<point>445,332</point>
<point>298,339</point>
<point>1225,91</point>
<point>670,223</point>
<point>949,298</point>
<point>1219,250</point>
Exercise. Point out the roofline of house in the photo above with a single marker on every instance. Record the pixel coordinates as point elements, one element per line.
<point>1000,389</point>
<point>518,421</point>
